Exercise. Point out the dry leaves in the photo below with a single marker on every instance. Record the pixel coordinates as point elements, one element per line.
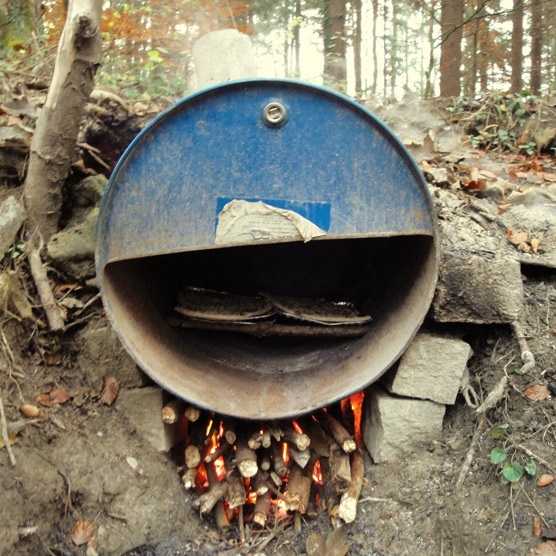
<point>537,526</point>
<point>109,390</point>
<point>535,244</point>
<point>545,479</point>
<point>517,238</point>
<point>537,392</point>
<point>544,549</point>
<point>31,411</point>
<point>82,532</point>
<point>53,397</point>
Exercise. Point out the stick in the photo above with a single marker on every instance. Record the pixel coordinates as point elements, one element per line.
<point>5,437</point>
<point>53,312</point>
<point>526,354</point>
<point>236,495</point>
<point>262,508</point>
<point>298,490</point>
<point>348,503</point>
<point>278,460</point>
<point>301,458</point>
<point>192,413</point>
<point>534,456</point>
<point>192,456</point>
<point>291,436</point>
<point>337,431</point>
<point>172,411</point>
<point>340,470</point>
<point>246,459</point>
<point>221,517</point>
<point>189,477</point>
<point>471,451</point>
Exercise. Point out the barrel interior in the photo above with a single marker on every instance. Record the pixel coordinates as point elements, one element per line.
<point>390,278</point>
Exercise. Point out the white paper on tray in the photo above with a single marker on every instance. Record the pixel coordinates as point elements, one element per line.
<point>244,221</point>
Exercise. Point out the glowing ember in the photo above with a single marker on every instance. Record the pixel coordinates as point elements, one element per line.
<point>285,455</point>
<point>209,427</point>
<point>317,473</point>
<point>252,497</point>
<point>221,430</point>
<point>219,468</point>
<point>297,427</point>
<point>213,444</point>
<point>201,479</point>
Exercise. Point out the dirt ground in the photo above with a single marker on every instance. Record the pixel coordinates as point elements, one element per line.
<point>84,461</point>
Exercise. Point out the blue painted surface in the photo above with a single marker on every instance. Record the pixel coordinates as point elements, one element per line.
<point>332,159</point>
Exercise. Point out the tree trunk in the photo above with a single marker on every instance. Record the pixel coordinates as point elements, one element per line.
<point>484,43</point>
<point>516,56</point>
<point>58,125</point>
<point>357,47</point>
<point>430,35</point>
<point>450,52</point>
<point>536,45</point>
<point>335,70</point>
<point>374,47</point>
<point>297,45</point>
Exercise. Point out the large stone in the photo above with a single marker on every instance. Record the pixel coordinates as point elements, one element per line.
<point>101,353</point>
<point>12,216</point>
<point>142,406</point>
<point>73,249</point>
<point>430,369</point>
<point>478,288</point>
<point>394,427</point>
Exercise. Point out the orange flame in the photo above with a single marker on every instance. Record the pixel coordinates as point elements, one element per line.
<point>285,455</point>
<point>219,468</point>
<point>201,479</point>
<point>209,427</point>
<point>356,401</point>
<point>280,508</point>
<point>297,427</point>
<point>221,430</point>
<point>252,497</point>
<point>317,473</point>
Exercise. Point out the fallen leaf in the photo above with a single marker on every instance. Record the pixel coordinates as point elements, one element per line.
<point>517,238</point>
<point>549,532</point>
<point>545,479</point>
<point>546,176</point>
<point>535,244</point>
<point>11,439</point>
<point>58,396</point>
<point>545,549</point>
<point>109,390</point>
<point>52,359</point>
<point>525,247</point>
<point>503,208</point>
<point>537,526</point>
<point>44,399</point>
<point>31,411</point>
<point>82,532</point>
<point>537,392</point>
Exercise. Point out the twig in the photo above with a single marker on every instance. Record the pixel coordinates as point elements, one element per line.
<point>53,313</point>
<point>501,525</point>
<point>471,451</point>
<point>5,437</point>
<point>533,504</point>
<point>241,524</point>
<point>526,354</point>
<point>534,456</point>
<point>512,506</point>
<point>371,499</point>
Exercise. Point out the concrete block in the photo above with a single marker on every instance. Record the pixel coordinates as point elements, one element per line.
<point>101,353</point>
<point>142,406</point>
<point>394,427</point>
<point>477,289</point>
<point>12,216</point>
<point>430,369</point>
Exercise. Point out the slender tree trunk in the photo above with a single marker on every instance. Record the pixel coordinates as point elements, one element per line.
<point>536,45</point>
<point>58,125</point>
<point>516,56</point>
<point>296,32</point>
<point>450,52</point>
<point>357,47</point>
<point>428,76</point>
<point>385,65</point>
<point>484,41</point>
<point>335,67</point>
<point>374,47</point>
<point>394,49</point>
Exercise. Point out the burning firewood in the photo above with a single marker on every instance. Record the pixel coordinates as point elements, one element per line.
<point>294,435</point>
<point>262,509</point>
<point>340,471</point>
<point>192,413</point>
<point>330,497</point>
<point>264,461</point>
<point>246,459</point>
<point>259,483</point>
<point>337,431</point>
<point>221,516</point>
<point>300,457</point>
<point>192,457</point>
<point>217,490</point>
<point>277,450</point>
<point>348,503</point>
<point>189,477</point>
<point>236,495</point>
<point>298,490</point>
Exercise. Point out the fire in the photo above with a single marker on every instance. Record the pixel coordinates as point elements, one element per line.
<point>209,427</point>
<point>221,430</point>
<point>297,427</point>
<point>317,473</point>
<point>201,479</point>
<point>285,455</point>
<point>252,497</point>
<point>356,401</point>
<point>219,468</point>
<point>280,508</point>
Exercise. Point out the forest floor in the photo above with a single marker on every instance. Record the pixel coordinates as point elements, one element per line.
<point>84,461</point>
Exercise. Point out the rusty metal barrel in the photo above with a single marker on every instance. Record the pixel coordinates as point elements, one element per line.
<point>266,187</point>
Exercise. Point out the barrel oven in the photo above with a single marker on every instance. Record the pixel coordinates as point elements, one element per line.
<point>266,192</point>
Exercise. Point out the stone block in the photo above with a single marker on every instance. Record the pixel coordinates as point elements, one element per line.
<point>394,427</point>
<point>430,369</point>
<point>477,288</point>
<point>142,407</point>
<point>101,353</point>
<point>12,216</point>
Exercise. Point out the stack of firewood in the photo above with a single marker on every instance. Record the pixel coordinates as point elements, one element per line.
<point>258,472</point>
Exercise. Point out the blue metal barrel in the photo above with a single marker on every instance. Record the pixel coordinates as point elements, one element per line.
<point>345,215</point>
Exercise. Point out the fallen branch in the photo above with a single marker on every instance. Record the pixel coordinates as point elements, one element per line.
<point>534,456</point>
<point>5,437</point>
<point>53,312</point>
<point>526,354</point>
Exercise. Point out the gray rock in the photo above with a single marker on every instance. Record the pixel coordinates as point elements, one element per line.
<point>12,216</point>
<point>142,406</point>
<point>101,353</point>
<point>83,196</point>
<point>73,249</point>
<point>394,427</point>
<point>430,369</point>
<point>478,288</point>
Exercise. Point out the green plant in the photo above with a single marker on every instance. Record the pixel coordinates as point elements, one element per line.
<point>512,471</point>
<point>16,250</point>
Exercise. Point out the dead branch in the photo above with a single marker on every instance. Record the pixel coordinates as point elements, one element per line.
<point>348,503</point>
<point>526,354</point>
<point>5,437</point>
